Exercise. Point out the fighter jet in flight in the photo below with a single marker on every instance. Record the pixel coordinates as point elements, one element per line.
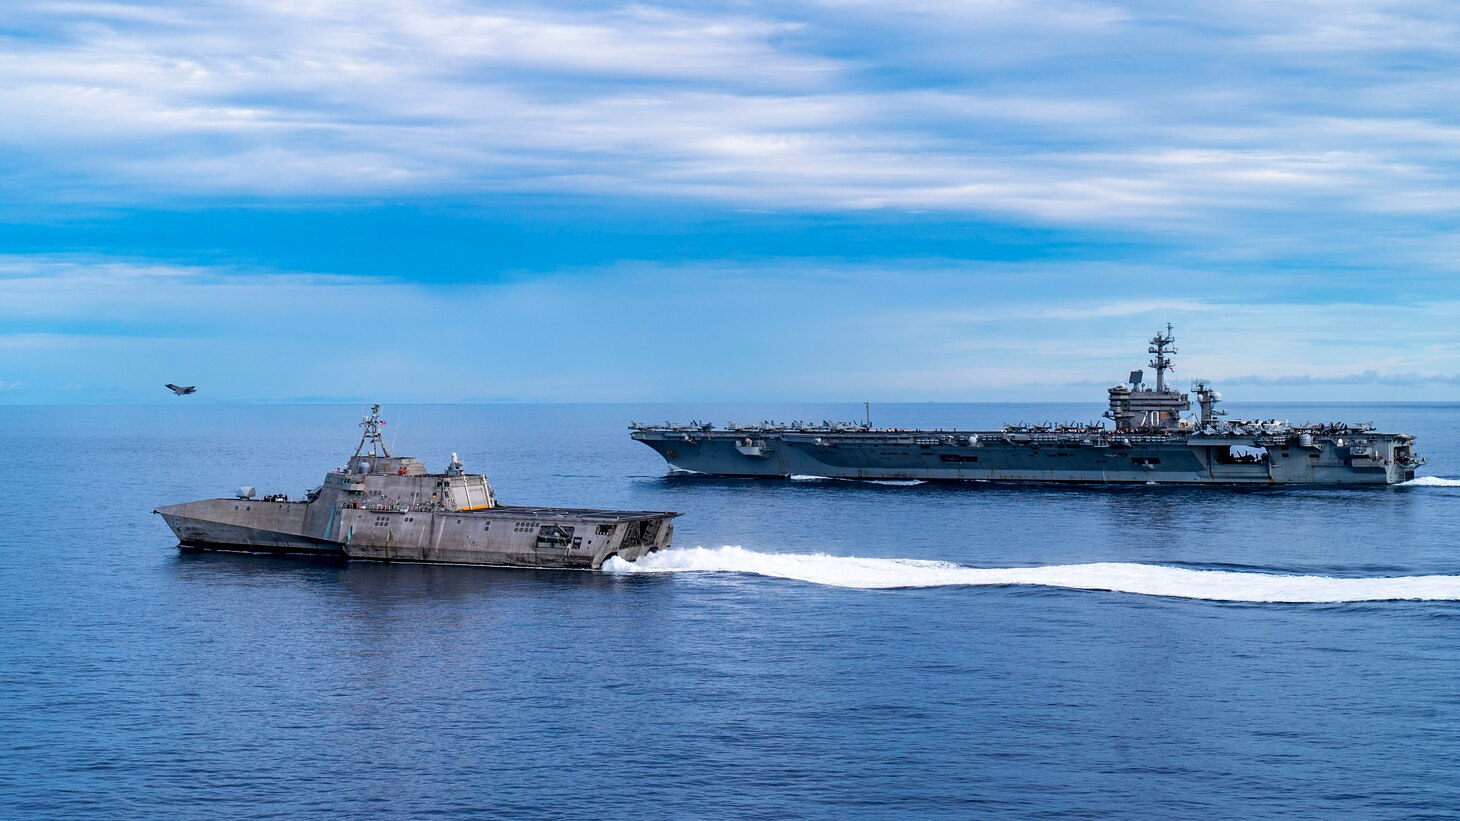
<point>181,390</point>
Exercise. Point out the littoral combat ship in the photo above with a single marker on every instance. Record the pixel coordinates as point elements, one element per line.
<point>1149,440</point>
<point>390,508</point>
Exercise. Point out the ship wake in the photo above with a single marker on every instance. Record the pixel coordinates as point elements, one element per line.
<point>1120,577</point>
<point>1431,481</point>
<point>799,477</point>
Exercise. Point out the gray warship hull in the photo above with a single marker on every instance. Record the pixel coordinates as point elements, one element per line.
<point>997,456</point>
<point>1152,440</point>
<point>391,508</point>
<point>503,536</point>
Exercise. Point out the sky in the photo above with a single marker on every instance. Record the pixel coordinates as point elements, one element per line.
<point>988,200</point>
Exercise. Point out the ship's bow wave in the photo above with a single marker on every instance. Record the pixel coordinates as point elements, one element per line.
<point>801,477</point>
<point>1121,577</point>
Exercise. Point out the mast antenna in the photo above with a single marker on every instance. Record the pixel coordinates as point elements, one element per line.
<point>371,434</point>
<point>1161,346</point>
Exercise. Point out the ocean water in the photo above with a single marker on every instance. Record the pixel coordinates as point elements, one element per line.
<point>809,649</point>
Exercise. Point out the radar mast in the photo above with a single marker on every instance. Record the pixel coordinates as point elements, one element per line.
<point>371,434</point>
<point>1160,346</point>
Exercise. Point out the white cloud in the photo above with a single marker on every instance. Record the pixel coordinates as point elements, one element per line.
<point>1369,377</point>
<point>1067,112</point>
<point>789,329</point>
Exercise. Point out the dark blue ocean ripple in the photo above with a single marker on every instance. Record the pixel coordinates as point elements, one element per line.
<point>137,682</point>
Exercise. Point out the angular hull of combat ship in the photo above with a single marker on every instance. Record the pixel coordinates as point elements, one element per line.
<point>1000,457</point>
<point>503,536</point>
<point>391,508</point>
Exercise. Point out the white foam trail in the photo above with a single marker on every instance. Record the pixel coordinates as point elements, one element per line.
<point>1431,481</point>
<point>1121,577</point>
<point>804,477</point>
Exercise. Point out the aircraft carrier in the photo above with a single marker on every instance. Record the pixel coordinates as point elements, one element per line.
<point>391,508</point>
<point>1152,438</point>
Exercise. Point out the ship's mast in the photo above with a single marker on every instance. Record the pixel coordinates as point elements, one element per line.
<point>372,434</point>
<point>1162,363</point>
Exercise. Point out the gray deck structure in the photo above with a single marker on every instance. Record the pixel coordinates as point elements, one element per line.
<point>1150,440</point>
<point>391,508</point>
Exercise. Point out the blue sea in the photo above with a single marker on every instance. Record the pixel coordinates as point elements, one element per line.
<point>808,649</point>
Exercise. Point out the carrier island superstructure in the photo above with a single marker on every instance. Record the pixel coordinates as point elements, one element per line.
<point>391,508</point>
<point>1152,437</point>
